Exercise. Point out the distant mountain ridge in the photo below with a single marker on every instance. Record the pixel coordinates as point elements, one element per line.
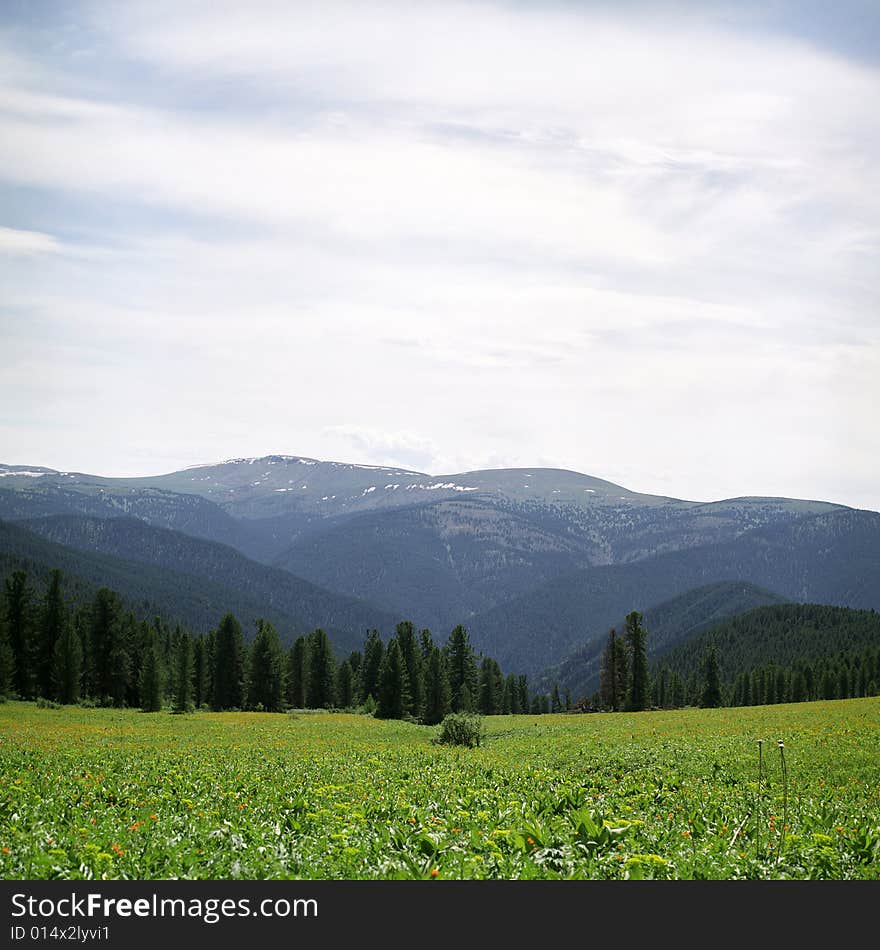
<point>536,562</point>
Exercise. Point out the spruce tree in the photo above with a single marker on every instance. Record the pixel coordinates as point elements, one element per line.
<point>410,650</point>
<point>19,630</point>
<point>53,618</point>
<point>374,651</point>
<point>108,648</point>
<point>267,670</point>
<point>228,665</point>
<point>438,694</point>
<point>321,692</point>
<point>394,700</point>
<point>711,697</point>
<point>67,666</point>
<point>638,694</point>
<point>345,685</point>
<point>298,673</point>
<point>7,663</point>
<point>183,681</point>
<point>152,673</point>
<point>463,676</point>
<point>490,687</point>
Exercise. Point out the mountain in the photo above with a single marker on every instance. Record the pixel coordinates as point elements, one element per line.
<point>536,562</point>
<point>216,575</point>
<point>670,623</point>
<point>831,558</point>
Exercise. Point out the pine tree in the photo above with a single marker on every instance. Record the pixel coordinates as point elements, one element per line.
<point>201,672</point>
<point>7,663</point>
<point>410,650</point>
<point>345,685</point>
<point>183,681</point>
<point>152,673</point>
<point>711,697</point>
<point>67,666</point>
<point>613,673</point>
<point>108,648</point>
<point>298,673</point>
<point>522,683</point>
<point>19,630</point>
<point>463,676</point>
<point>267,672</point>
<point>53,620</point>
<point>555,699</point>
<point>374,651</point>
<point>636,637</point>
<point>228,665</point>
<point>438,694</point>
<point>490,687</point>
<point>394,698</point>
<point>321,691</point>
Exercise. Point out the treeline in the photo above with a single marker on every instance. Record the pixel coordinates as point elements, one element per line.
<point>786,653</point>
<point>99,653</point>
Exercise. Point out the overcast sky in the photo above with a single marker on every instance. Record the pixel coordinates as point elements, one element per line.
<point>637,240</point>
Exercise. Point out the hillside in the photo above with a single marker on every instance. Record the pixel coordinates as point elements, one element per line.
<point>830,558</point>
<point>674,621</point>
<point>783,635</point>
<point>179,577</point>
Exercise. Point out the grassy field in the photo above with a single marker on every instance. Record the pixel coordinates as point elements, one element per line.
<point>104,793</point>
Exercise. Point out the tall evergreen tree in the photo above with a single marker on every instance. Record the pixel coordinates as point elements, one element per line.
<point>410,650</point>
<point>345,685</point>
<point>7,663</point>
<point>298,673</point>
<point>267,670</point>
<point>152,673</point>
<point>613,673</point>
<point>19,630</point>
<point>201,672</point>
<point>638,694</point>
<point>111,664</point>
<point>183,682</point>
<point>374,651</point>
<point>394,700</point>
<point>321,692</point>
<point>228,665</point>
<point>438,694</point>
<point>67,666</point>
<point>462,666</point>
<point>53,619</point>
<point>711,697</point>
<point>491,687</point>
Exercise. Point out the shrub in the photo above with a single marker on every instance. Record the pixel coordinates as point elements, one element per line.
<point>461,729</point>
<point>43,703</point>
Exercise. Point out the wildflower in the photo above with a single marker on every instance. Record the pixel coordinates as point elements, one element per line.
<point>6,850</point>
<point>117,849</point>
<point>435,872</point>
<point>153,816</point>
<point>530,840</point>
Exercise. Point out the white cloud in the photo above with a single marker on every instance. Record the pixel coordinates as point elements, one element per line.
<point>447,236</point>
<point>14,241</point>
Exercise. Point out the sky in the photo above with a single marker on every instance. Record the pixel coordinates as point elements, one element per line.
<point>636,240</point>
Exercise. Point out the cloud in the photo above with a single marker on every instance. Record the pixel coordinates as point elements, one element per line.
<point>13,241</point>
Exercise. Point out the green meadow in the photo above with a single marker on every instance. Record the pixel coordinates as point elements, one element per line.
<point>685,794</point>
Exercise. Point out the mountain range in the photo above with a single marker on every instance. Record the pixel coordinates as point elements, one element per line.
<point>537,563</point>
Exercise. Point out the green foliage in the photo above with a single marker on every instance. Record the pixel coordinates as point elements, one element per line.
<point>228,665</point>
<point>251,796</point>
<point>638,683</point>
<point>266,675</point>
<point>461,729</point>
